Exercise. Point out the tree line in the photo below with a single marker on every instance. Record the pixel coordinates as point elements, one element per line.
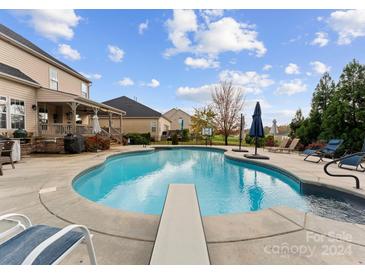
<point>337,110</point>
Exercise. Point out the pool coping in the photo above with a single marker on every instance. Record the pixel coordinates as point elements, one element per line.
<point>68,205</point>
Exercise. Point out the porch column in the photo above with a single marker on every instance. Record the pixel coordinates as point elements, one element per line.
<point>121,124</point>
<point>110,121</point>
<point>73,106</point>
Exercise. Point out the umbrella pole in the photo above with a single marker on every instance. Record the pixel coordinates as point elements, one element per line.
<point>241,132</point>
<point>256,142</point>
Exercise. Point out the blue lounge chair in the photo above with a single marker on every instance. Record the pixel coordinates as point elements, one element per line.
<point>329,150</point>
<point>41,244</point>
<point>354,161</point>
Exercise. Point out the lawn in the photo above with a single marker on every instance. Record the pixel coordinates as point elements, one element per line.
<point>216,140</point>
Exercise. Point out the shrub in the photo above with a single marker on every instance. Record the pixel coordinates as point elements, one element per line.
<point>175,139</point>
<point>20,133</point>
<point>185,135</point>
<point>93,143</point>
<point>269,141</point>
<point>139,139</point>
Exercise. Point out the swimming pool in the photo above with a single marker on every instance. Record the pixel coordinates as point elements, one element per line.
<point>138,182</point>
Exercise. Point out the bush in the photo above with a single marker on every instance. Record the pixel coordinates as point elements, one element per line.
<point>175,139</point>
<point>93,143</point>
<point>139,139</point>
<point>185,135</point>
<point>251,141</point>
<point>20,133</point>
<point>269,141</point>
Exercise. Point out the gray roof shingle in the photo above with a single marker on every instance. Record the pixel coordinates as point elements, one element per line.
<point>15,72</point>
<point>20,39</point>
<point>132,108</point>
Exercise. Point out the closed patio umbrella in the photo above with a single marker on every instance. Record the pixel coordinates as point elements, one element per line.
<point>256,131</point>
<point>274,128</point>
<point>96,125</point>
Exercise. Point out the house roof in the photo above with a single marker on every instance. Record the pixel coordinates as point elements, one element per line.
<point>25,42</point>
<point>132,108</point>
<point>174,110</point>
<point>14,72</point>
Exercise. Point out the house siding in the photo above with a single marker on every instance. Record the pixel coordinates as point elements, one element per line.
<point>13,90</point>
<point>174,115</point>
<point>37,69</point>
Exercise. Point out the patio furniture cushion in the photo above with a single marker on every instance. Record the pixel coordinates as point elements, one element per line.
<point>15,250</point>
<point>309,151</point>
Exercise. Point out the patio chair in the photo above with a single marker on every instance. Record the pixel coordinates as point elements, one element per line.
<point>329,150</point>
<point>283,144</point>
<point>291,147</point>
<point>41,244</point>
<point>354,161</point>
<point>7,151</point>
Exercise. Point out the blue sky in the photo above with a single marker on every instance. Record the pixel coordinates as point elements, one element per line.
<point>171,58</point>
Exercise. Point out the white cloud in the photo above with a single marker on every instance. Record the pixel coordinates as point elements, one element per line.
<point>292,69</point>
<point>227,34</point>
<point>183,22</point>
<point>349,25</point>
<point>209,15</point>
<point>321,39</point>
<point>92,76</point>
<point>291,87</point>
<point>68,52</point>
<point>211,37</point>
<point>267,67</point>
<point>250,81</point>
<point>201,63</point>
<point>52,24</point>
<point>142,27</point>
<point>126,81</point>
<point>201,94</point>
<point>319,67</point>
<point>115,54</point>
<point>153,84</point>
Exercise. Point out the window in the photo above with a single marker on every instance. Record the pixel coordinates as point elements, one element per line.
<point>84,90</point>
<point>153,126</point>
<point>43,114</point>
<point>3,112</point>
<point>166,127</point>
<point>53,79</point>
<point>181,123</point>
<point>17,114</point>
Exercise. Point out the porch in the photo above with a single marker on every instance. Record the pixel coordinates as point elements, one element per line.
<point>60,113</point>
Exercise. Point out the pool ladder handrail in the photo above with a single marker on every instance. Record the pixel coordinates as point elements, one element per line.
<point>344,175</point>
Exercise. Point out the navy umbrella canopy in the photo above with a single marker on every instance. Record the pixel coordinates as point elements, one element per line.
<point>257,129</point>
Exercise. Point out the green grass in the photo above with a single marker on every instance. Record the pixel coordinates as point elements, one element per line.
<point>216,140</point>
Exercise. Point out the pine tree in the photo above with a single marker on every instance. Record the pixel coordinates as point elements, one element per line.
<point>296,122</point>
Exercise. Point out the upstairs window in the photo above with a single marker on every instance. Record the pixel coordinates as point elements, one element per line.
<point>84,90</point>
<point>181,123</point>
<point>53,78</point>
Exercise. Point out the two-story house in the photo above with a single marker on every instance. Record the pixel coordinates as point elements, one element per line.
<point>41,94</point>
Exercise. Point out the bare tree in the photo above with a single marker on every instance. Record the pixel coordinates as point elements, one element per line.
<point>228,101</point>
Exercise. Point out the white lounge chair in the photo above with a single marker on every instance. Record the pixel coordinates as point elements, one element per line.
<point>40,244</point>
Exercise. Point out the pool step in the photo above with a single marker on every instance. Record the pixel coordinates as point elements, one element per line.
<point>180,238</point>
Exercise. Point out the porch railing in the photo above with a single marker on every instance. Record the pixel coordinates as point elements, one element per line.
<point>60,129</point>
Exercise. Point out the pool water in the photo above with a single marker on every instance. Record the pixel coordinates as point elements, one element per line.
<point>138,182</point>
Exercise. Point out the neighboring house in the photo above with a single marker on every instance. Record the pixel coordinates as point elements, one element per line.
<point>139,118</point>
<point>179,119</point>
<point>41,94</point>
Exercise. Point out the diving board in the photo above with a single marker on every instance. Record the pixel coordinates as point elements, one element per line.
<point>180,238</point>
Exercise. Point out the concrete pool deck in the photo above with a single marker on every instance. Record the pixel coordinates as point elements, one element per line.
<point>272,236</point>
